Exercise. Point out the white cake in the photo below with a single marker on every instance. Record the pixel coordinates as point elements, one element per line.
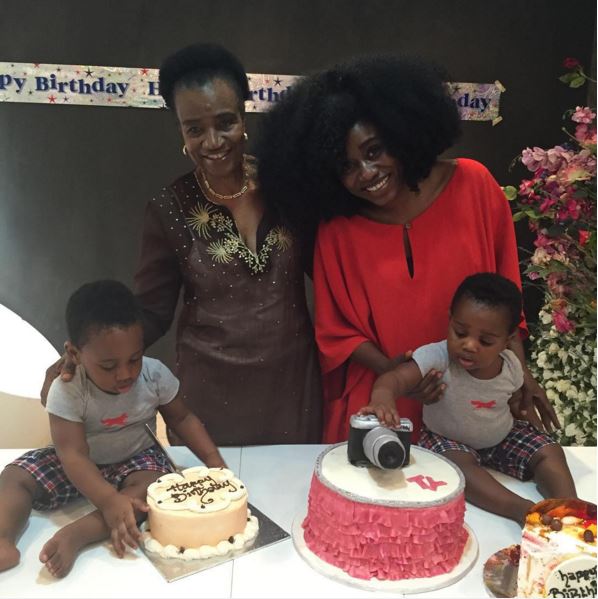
<point>558,550</point>
<point>197,514</point>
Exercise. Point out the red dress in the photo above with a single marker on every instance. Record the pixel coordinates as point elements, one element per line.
<point>364,292</point>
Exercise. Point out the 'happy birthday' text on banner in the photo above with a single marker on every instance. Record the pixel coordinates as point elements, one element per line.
<point>138,88</point>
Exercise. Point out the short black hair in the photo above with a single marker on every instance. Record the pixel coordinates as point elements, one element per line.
<point>492,290</point>
<point>100,305</point>
<point>199,64</point>
<point>302,146</point>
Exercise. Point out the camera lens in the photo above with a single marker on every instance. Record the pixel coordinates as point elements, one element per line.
<point>383,448</point>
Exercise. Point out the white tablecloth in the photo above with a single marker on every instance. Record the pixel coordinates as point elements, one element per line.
<point>277,478</point>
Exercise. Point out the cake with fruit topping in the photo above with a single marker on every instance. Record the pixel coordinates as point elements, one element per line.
<point>198,513</point>
<point>558,550</point>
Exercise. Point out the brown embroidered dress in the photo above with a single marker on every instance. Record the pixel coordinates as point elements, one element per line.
<point>246,356</point>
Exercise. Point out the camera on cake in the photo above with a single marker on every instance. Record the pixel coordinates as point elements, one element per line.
<point>371,443</point>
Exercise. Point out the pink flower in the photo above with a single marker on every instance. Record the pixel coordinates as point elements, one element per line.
<point>570,63</point>
<point>542,240</point>
<point>583,236</point>
<point>561,323</point>
<point>526,187</point>
<point>583,114</point>
<point>550,160</point>
<point>573,208</point>
<point>585,134</point>
<point>546,205</point>
<point>533,275</point>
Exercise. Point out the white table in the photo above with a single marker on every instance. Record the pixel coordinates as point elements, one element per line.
<point>278,479</point>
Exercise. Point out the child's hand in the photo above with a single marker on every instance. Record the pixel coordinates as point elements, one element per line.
<point>119,514</point>
<point>386,413</point>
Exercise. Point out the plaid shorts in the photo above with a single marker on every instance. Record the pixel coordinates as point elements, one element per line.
<point>45,467</point>
<point>511,456</point>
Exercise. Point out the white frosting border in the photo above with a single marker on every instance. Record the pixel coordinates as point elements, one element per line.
<point>205,551</point>
<point>157,487</point>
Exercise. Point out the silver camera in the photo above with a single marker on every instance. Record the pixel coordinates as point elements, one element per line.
<point>370,443</point>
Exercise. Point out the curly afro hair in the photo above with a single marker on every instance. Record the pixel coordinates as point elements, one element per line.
<point>302,143</point>
<point>494,291</point>
<point>100,305</point>
<point>199,64</point>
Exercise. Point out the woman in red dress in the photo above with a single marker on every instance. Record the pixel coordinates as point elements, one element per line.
<point>356,150</point>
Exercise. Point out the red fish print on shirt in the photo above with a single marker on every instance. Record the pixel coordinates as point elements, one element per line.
<point>477,404</point>
<point>118,420</point>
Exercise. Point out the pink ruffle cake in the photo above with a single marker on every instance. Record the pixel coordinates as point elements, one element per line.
<point>387,524</point>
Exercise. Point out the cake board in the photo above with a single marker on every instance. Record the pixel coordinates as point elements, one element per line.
<point>500,572</point>
<point>175,569</point>
<point>407,585</point>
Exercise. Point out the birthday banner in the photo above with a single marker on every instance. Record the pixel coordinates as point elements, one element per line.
<point>138,88</point>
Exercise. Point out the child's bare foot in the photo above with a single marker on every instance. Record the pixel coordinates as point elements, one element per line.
<point>59,553</point>
<point>9,555</point>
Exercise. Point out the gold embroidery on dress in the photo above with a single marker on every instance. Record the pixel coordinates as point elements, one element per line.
<point>219,252</point>
<point>199,219</point>
<point>205,217</point>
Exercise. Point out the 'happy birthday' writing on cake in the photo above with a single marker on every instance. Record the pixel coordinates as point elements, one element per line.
<point>201,488</point>
<point>581,583</point>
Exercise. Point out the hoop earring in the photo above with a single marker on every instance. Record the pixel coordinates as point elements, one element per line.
<point>245,136</point>
<point>184,150</point>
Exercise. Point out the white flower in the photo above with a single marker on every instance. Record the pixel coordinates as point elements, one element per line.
<point>571,392</point>
<point>562,385</point>
<point>571,429</point>
<point>541,361</point>
<point>545,317</point>
<point>552,395</point>
<point>553,348</point>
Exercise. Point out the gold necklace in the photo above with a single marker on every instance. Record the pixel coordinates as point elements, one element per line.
<point>222,196</point>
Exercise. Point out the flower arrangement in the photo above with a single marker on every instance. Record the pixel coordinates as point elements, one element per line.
<point>559,201</point>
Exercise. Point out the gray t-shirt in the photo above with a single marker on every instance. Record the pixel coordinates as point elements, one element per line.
<point>472,411</point>
<point>114,424</point>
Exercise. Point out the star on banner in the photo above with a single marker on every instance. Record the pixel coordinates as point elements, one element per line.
<point>88,72</point>
<point>277,81</point>
<point>144,71</point>
<point>52,99</point>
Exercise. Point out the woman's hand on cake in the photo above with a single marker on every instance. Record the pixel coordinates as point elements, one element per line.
<point>386,413</point>
<point>63,368</point>
<point>430,389</point>
<point>531,403</point>
<point>214,460</point>
<point>119,514</point>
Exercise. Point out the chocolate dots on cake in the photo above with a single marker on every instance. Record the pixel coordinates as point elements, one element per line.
<point>556,524</point>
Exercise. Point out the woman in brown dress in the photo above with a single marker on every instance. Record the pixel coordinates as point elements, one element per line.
<point>245,350</point>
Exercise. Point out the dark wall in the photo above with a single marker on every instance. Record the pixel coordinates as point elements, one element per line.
<point>74,180</point>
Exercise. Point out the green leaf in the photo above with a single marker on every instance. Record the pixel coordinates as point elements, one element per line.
<point>510,192</point>
<point>577,82</point>
<point>567,77</point>
<point>518,216</point>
